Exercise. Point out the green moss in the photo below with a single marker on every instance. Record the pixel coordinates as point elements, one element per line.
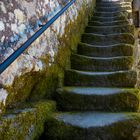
<point>113,79</point>
<point>79,62</point>
<point>102,19</point>
<point>56,130</point>
<point>22,88</point>
<point>110,29</point>
<point>124,129</point>
<point>115,50</point>
<point>26,123</point>
<point>96,39</point>
<point>120,130</point>
<point>117,14</point>
<point>124,100</point>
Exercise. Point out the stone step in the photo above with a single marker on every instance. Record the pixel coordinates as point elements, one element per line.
<point>114,2</point>
<point>86,63</point>
<point>26,122</point>
<point>100,79</point>
<point>110,29</point>
<point>97,99</point>
<point>113,9</point>
<point>107,19</point>
<point>109,4</point>
<point>105,51</point>
<point>93,126</point>
<point>98,39</point>
<point>122,4</point>
<point>110,14</point>
<point>113,23</point>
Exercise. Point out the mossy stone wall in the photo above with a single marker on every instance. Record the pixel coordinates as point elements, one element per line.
<point>42,84</point>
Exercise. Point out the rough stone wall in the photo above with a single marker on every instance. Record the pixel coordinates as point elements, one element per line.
<point>39,70</point>
<point>137,56</point>
<point>19,19</point>
<point>136,8</point>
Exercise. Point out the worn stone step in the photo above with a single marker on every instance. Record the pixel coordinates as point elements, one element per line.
<point>93,126</point>
<point>100,79</point>
<point>113,23</point>
<point>105,51</point>
<point>110,14</point>
<point>113,9</point>
<point>86,63</point>
<point>107,19</point>
<point>115,1</point>
<point>26,122</point>
<point>114,4</point>
<point>98,39</point>
<point>110,29</point>
<point>109,3</point>
<point>97,99</point>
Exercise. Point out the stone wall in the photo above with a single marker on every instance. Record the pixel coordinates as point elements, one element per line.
<point>39,70</point>
<point>19,19</point>
<point>137,55</point>
<point>136,19</point>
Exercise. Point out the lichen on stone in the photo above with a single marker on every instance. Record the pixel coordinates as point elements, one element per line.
<point>27,123</point>
<point>40,69</point>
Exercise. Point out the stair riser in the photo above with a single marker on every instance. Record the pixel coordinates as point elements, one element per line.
<point>64,132</point>
<point>117,102</point>
<point>117,1</point>
<point>85,64</point>
<point>107,9</point>
<point>124,79</point>
<point>125,2</point>
<point>109,14</point>
<point>95,23</point>
<point>122,130</point>
<point>110,30</point>
<point>108,39</point>
<point>113,5</point>
<point>118,50</point>
<point>107,19</point>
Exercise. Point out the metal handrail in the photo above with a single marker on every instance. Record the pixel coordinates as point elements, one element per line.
<point>19,51</point>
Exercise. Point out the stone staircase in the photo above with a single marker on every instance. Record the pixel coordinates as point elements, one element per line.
<point>99,100</point>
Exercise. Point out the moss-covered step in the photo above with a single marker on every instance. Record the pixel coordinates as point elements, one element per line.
<point>110,3</point>
<point>114,4</point>
<point>111,39</point>
<point>113,9</point>
<point>27,123</point>
<point>100,79</point>
<point>97,23</point>
<point>110,14</point>
<point>107,19</point>
<point>110,29</point>
<point>86,63</point>
<point>105,51</point>
<point>93,126</point>
<point>117,1</point>
<point>97,99</point>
